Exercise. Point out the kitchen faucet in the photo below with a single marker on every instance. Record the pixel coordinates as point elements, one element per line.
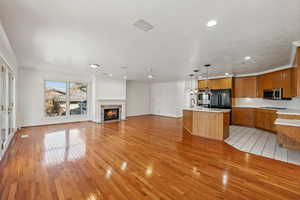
<point>193,102</point>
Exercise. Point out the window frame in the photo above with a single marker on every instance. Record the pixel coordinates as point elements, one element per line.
<point>68,115</point>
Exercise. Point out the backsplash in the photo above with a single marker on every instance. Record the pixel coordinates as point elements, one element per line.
<point>259,102</point>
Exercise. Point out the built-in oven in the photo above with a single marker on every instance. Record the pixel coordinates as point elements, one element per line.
<point>203,98</point>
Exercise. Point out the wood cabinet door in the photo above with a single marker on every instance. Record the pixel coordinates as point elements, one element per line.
<point>212,84</point>
<point>245,87</point>
<point>264,119</point>
<point>259,119</point>
<point>243,116</point>
<point>221,83</point>
<point>286,83</point>
<point>202,84</point>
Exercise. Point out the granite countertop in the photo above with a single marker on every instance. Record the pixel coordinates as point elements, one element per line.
<point>289,112</point>
<point>287,122</point>
<point>201,109</point>
<point>280,111</point>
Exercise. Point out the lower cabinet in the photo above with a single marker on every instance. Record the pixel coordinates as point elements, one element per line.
<point>254,117</point>
<point>243,116</point>
<point>264,119</point>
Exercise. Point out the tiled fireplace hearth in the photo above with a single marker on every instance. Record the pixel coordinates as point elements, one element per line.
<point>110,110</point>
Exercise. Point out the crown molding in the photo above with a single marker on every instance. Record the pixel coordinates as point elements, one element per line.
<point>251,74</point>
<point>265,72</point>
<point>296,44</point>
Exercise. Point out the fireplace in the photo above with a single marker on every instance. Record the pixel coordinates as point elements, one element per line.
<point>111,113</point>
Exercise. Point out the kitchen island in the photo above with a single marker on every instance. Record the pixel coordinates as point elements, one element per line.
<point>207,122</point>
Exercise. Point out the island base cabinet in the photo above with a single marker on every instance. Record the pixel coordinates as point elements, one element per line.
<point>288,136</point>
<point>210,125</point>
<point>188,120</point>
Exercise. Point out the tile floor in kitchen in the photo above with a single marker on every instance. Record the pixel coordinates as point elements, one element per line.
<point>262,143</point>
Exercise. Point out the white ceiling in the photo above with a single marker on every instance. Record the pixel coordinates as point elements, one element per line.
<point>67,35</point>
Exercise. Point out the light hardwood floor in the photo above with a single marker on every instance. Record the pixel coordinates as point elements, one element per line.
<point>147,157</point>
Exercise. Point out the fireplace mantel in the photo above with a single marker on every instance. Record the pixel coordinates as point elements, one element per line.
<point>100,102</point>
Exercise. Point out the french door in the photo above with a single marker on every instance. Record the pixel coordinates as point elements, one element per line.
<point>7,107</point>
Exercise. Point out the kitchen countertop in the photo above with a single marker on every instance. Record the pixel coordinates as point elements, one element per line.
<point>286,111</point>
<point>289,112</point>
<point>201,109</point>
<point>287,122</point>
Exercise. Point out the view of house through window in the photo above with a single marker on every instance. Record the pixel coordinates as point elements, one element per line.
<point>63,97</point>
<point>78,98</point>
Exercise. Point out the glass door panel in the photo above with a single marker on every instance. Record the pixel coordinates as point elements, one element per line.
<point>11,110</point>
<point>3,107</point>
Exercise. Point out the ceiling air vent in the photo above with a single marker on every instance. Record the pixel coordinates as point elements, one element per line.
<point>143,25</point>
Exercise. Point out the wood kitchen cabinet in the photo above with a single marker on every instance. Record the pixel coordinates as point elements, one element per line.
<point>279,79</point>
<point>245,87</point>
<point>264,119</point>
<point>243,116</point>
<point>215,84</point>
<point>220,83</point>
<point>202,84</point>
<point>296,74</point>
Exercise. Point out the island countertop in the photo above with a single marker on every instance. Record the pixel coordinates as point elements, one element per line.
<point>202,109</point>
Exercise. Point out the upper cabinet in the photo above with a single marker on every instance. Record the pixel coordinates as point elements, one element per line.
<point>202,84</point>
<point>245,87</point>
<point>279,79</point>
<point>215,84</point>
<point>296,73</point>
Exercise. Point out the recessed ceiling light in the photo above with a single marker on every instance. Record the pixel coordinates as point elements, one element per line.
<point>94,66</point>
<point>125,77</point>
<point>150,76</point>
<point>211,23</point>
<point>226,74</point>
<point>110,75</point>
<point>247,58</point>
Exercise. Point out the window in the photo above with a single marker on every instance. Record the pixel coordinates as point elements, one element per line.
<point>65,98</point>
<point>55,98</point>
<point>78,98</point>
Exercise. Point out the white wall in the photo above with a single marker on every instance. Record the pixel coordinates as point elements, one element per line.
<point>138,98</point>
<point>110,89</point>
<point>167,98</point>
<point>31,97</point>
<point>6,52</point>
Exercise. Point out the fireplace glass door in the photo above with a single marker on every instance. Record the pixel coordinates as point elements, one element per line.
<point>111,114</point>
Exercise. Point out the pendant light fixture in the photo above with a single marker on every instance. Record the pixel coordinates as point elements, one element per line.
<point>207,66</point>
<point>150,75</point>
